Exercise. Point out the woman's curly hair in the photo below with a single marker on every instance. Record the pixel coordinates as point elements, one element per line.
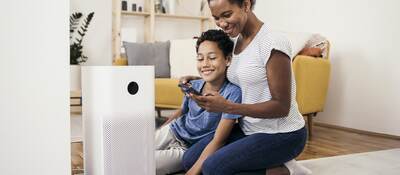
<point>220,37</point>
<point>240,2</point>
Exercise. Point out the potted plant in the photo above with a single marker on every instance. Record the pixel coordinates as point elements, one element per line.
<point>77,31</point>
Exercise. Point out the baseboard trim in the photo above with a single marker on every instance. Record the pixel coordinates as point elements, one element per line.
<point>358,131</point>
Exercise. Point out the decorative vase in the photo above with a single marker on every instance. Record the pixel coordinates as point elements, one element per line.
<point>170,6</point>
<point>124,5</point>
<point>203,8</point>
<point>75,77</point>
<point>158,6</point>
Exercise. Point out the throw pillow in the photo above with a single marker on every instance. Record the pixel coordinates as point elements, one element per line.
<point>183,58</point>
<point>312,51</point>
<point>156,54</point>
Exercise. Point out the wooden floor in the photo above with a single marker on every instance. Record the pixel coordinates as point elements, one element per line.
<point>328,142</point>
<point>325,142</point>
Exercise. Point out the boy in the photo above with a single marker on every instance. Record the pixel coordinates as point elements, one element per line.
<point>192,123</point>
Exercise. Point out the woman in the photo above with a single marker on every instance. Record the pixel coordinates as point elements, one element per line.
<point>273,126</point>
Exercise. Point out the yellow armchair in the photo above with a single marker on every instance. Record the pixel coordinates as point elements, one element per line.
<point>168,94</point>
<point>312,80</point>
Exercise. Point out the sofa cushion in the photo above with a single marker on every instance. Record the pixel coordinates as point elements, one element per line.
<point>156,54</point>
<point>297,40</point>
<point>168,94</point>
<point>183,58</point>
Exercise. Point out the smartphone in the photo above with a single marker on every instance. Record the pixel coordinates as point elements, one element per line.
<point>187,88</point>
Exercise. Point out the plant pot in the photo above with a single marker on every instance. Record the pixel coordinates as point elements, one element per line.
<point>75,77</point>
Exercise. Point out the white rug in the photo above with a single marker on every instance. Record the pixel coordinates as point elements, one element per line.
<point>385,162</point>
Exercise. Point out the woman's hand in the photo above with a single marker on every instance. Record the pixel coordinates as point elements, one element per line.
<point>212,102</point>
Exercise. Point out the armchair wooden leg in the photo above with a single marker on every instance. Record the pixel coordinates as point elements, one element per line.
<point>310,124</point>
<point>158,112</point>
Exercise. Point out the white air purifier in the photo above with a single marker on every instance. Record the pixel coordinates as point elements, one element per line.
<point>118,120</point>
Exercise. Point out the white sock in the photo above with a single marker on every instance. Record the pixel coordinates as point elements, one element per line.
<point>297,169</point>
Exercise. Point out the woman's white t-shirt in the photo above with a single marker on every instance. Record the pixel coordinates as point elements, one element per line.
<point>248,71</point>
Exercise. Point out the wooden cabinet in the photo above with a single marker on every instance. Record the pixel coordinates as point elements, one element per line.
<point>149,14</point>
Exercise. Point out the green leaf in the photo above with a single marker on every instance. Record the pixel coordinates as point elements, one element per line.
<point>76,48</point>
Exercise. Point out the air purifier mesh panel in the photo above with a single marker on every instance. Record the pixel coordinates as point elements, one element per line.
<point>127,145</point>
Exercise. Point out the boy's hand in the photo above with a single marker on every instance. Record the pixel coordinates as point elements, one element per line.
<point>169,120</point>
<point>211,102</point>
<point>172,117</point>
<point>186,79</point>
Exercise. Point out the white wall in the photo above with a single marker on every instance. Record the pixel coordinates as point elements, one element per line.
<point>365,82</point>
<point>97,43</point>
<point>34,76</point>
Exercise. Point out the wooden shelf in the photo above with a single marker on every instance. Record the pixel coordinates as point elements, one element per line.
<point>145,14</point>
<point>182,16</point>
<point>150,17</point>
<point>76,102</point>
<point>75,93</point>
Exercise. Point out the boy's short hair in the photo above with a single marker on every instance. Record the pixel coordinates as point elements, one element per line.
<point>220,37</point>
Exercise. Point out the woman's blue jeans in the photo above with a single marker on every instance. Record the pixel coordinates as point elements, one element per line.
<point>256,152</point>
